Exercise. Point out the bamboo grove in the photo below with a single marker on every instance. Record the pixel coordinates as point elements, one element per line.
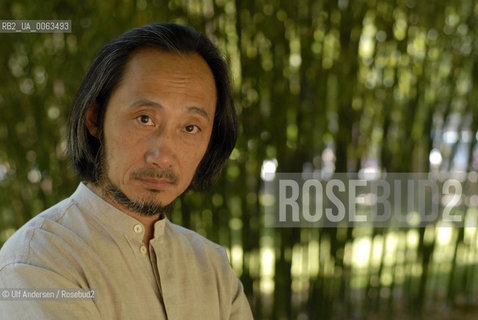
<point>336,85</point>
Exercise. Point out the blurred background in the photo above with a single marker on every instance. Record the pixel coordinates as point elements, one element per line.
<point>320,85</point>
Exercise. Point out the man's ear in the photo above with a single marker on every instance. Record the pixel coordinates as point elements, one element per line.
<point>92,119</point>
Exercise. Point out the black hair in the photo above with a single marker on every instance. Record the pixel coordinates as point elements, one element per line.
<point>104,75</point>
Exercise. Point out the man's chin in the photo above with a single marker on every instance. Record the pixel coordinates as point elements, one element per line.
<point>145,203</point>
<point>151,196</point>
<point>146,206</point>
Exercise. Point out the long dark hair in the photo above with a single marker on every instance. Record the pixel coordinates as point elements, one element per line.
<point>105,73</point>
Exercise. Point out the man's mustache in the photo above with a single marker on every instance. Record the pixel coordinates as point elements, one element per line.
<point>156,173</point>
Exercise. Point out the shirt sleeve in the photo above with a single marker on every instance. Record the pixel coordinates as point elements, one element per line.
<point>25,276</point>
<point>240,309</point>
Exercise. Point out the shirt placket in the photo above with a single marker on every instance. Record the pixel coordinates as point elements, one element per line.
<point>146,262</point>
<point>154,265</point>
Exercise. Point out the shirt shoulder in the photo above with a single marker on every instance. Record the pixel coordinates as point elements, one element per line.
<point>38,237</point>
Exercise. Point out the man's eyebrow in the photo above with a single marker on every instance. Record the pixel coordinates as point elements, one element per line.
<point>200,111</point>
<point>148,103</point>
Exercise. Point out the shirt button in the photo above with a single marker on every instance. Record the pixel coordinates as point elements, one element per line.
<point>138,228</point>
<point>143,249</point>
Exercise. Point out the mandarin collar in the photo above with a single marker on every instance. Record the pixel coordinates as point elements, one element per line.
<point>112,217</point>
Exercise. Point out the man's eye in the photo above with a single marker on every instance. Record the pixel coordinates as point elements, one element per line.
<point>146,120</point>
<point>191,129</point>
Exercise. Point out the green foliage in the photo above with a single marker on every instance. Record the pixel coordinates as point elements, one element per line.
<point>318,84</point>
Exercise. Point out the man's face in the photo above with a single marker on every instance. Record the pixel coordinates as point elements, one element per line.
<point>157,126</point>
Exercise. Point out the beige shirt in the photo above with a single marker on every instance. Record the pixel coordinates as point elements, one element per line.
<point>84,242</point>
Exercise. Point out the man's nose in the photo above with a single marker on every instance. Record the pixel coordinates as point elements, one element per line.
<point>161,150</point>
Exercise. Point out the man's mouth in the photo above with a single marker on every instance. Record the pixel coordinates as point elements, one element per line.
<point>156,184</point>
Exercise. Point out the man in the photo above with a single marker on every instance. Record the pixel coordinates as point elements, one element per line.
<point>153,117</point>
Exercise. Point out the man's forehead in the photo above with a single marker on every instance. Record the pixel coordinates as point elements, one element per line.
<point>151,74</point>
<point>160,62</point>
<point>159,55</point>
